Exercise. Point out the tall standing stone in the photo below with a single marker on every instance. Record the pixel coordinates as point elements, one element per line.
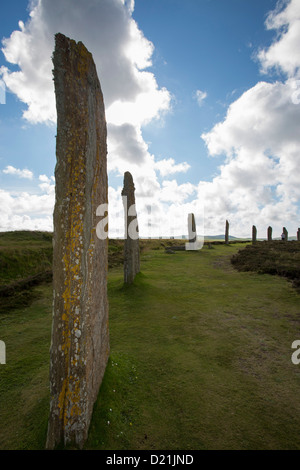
<point>269,234</point>
<point>298,235</point>
<point>131,241</point>
<point>254,234</point>
<point>227,233</point>
<point>285,234</point>
<point>192,228</point>
<point>80,335</point>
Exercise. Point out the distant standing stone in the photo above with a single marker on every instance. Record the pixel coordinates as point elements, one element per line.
<point>254,233</point>
<point>298,234</point>
<point>131,242</point>
<point>192,228</point>
<point>285,232</point>
<point>269,234</point>
<point>227,232</point>
<point>80,335</point>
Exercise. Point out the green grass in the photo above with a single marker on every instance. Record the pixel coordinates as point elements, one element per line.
<point>200,359</point>
<point>274,257</point>
<point>23,254</point>
<point>25,260</point>
<point>24,402</point>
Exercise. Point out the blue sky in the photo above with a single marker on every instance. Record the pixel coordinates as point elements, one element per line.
<point>233,151</point>
<point>206,45</point>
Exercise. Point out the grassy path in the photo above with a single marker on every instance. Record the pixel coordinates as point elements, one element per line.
<point>200,359</point>
<point>203,358</point>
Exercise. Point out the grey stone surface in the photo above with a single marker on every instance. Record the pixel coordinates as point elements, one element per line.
<point>80,332</point>
<point>298,234</point>
<point>131,242</point>
<point>286,235</point>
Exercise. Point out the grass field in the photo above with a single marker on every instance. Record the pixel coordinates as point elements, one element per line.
<point>274,257</point>
<point>200,359</point>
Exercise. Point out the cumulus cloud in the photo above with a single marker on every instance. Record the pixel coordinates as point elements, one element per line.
<point>259,137</point>
<point>260,141</point>
<point>284,53</point>
<point>120,50</point>
<point>122,55</point>
<point>263,118</point>
<point>126,144</point>
<point>26,211</point>
<point>47,185</point>
<point>167,166</point>
<point>10,170</point>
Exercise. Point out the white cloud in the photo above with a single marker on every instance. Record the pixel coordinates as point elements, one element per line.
<point>259,137</point>
<point>10,170</point>
<point>284,53</point>
<point>171,191</point>
<point>44,179</point>
<point>126,146</point>
<point>200,97</point>
<point>257,184</point>
<point>168,167</point>
<point>24,211</point>
<point>120,50</point>
<point>263,118</point>
<point>122,55</point>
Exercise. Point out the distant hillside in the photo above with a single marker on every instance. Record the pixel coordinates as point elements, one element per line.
<point>221,237</point>
<point>206,237</point>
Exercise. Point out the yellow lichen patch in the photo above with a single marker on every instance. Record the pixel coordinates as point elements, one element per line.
<point>70,393</point>
<point>84,60</point>
<point>61,399</point>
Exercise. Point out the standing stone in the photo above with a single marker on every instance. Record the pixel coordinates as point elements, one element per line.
<point>192,228</point>
<point>254,234</point>
<point>80,335</point>
<point>298,235</point>
<point>269,234</point>
<point>285,234</point>
<point>131,241</point>
<point>227,233</point>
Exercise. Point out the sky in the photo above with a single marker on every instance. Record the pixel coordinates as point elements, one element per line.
<point>202,102</point>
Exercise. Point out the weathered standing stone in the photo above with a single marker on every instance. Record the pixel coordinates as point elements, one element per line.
<point>192,228</point>
<point>227,232</point>
<point>298,235</point>
<point>285,234</point>
<point>254,234</point>
<point>269,234</point>
<point>131,241</point>
<point>80,335</point>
